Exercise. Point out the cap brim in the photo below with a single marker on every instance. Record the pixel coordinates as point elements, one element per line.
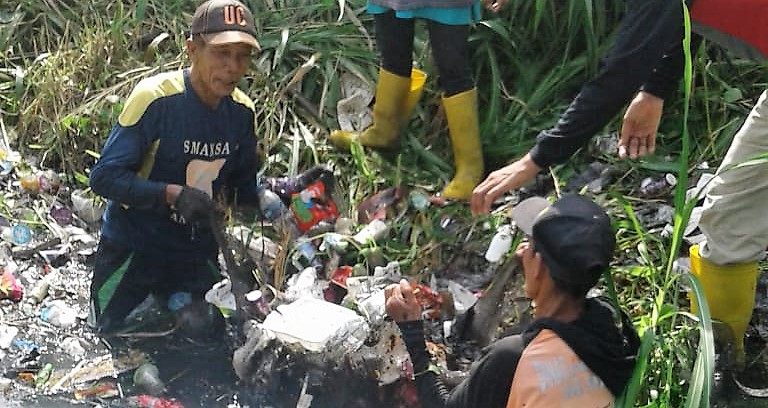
<point>231,37</point>
<point>524,214</point>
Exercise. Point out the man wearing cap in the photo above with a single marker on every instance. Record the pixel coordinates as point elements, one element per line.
<point>574,354</point>
<point>182,139</point>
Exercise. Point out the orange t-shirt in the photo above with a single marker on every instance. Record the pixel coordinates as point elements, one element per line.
<point>550,374</point>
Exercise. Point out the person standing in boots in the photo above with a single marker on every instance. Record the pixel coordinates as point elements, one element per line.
<point>400,85</point>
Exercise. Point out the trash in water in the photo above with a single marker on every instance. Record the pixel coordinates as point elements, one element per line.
<point>100,390</point>
<point>317,325</point>
<point>305,283</point>
<point>10,288</point>
<point>147,378</point>
<point>7,334</point>
<point>178,300</point>
<point>59,314</point>
<point>148,401</point>
<point>221,296</point>
<point>375,207</point>
<point>258,305</point>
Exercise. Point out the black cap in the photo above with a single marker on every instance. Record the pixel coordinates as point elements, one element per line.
<point>224,22</point>
<point>573,235</point>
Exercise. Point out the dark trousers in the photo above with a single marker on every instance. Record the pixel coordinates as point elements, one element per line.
<point>123,278</point>
<point>394,37</point>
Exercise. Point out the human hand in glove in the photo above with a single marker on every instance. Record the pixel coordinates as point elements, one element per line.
<point>285,187</point>
<point>194,205</point>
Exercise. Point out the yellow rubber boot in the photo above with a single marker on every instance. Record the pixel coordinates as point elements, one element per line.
<point>730,293</point>
<point>461,112</point>
<point>396,98</point>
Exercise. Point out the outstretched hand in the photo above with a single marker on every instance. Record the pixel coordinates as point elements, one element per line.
<point>500,181</point>
<point>641,122</point>
<point>400,302</point>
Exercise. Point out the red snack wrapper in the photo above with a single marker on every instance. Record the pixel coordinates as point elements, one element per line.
<point>313,205</point>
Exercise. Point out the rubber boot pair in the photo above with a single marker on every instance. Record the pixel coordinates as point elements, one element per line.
<point>396,98</point>
<point>730,294</point>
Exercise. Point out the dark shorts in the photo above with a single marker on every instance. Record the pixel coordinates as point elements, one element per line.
<point>123,278</point>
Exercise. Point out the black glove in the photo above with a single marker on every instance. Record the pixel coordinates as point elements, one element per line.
<point>285,187</point>
<point>194,205</point>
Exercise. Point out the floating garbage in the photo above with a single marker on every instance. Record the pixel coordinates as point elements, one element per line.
<point>10,288</point>
<point>100,389</point>
<point>148,401</point>
<point>72,347</point>
<point>258,305</point>
<point>147,378</point>
<point>221,296</point>
<point>318,325</point>
<point>7,334</point>
<point>59,314</point>
<point>305,284</point>
<point>178,300</point>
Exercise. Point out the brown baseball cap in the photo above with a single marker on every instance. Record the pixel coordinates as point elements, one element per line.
<point>225,22</point>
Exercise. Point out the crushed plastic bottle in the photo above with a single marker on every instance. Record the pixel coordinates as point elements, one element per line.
<point>500,244</point>
<point>270,204</point>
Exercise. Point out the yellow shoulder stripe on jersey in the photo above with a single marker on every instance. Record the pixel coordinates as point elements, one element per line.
<point>146,92</point>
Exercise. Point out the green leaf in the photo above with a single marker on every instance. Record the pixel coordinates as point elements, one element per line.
<point>733,95</point>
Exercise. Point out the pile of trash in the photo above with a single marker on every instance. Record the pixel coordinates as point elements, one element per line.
<point>327,325</point>
<point>308,322</point>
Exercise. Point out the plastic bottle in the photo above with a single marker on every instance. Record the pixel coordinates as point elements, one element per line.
<point>270,204</point>
<point>40,290</point>
<point>374,231</point>
<point>500,244</point>
<point>273,209</point>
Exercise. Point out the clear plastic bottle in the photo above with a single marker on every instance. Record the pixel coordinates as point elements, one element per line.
<point>500,244</point>
<point>273,209</point>
<point>271,205</point>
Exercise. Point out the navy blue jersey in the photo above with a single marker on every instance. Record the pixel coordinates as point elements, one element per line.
<point>167,135</point>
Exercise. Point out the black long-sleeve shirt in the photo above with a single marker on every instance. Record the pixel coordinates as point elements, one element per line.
<point>649,30</point>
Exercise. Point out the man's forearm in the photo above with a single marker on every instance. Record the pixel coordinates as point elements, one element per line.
<point>648,29</point>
